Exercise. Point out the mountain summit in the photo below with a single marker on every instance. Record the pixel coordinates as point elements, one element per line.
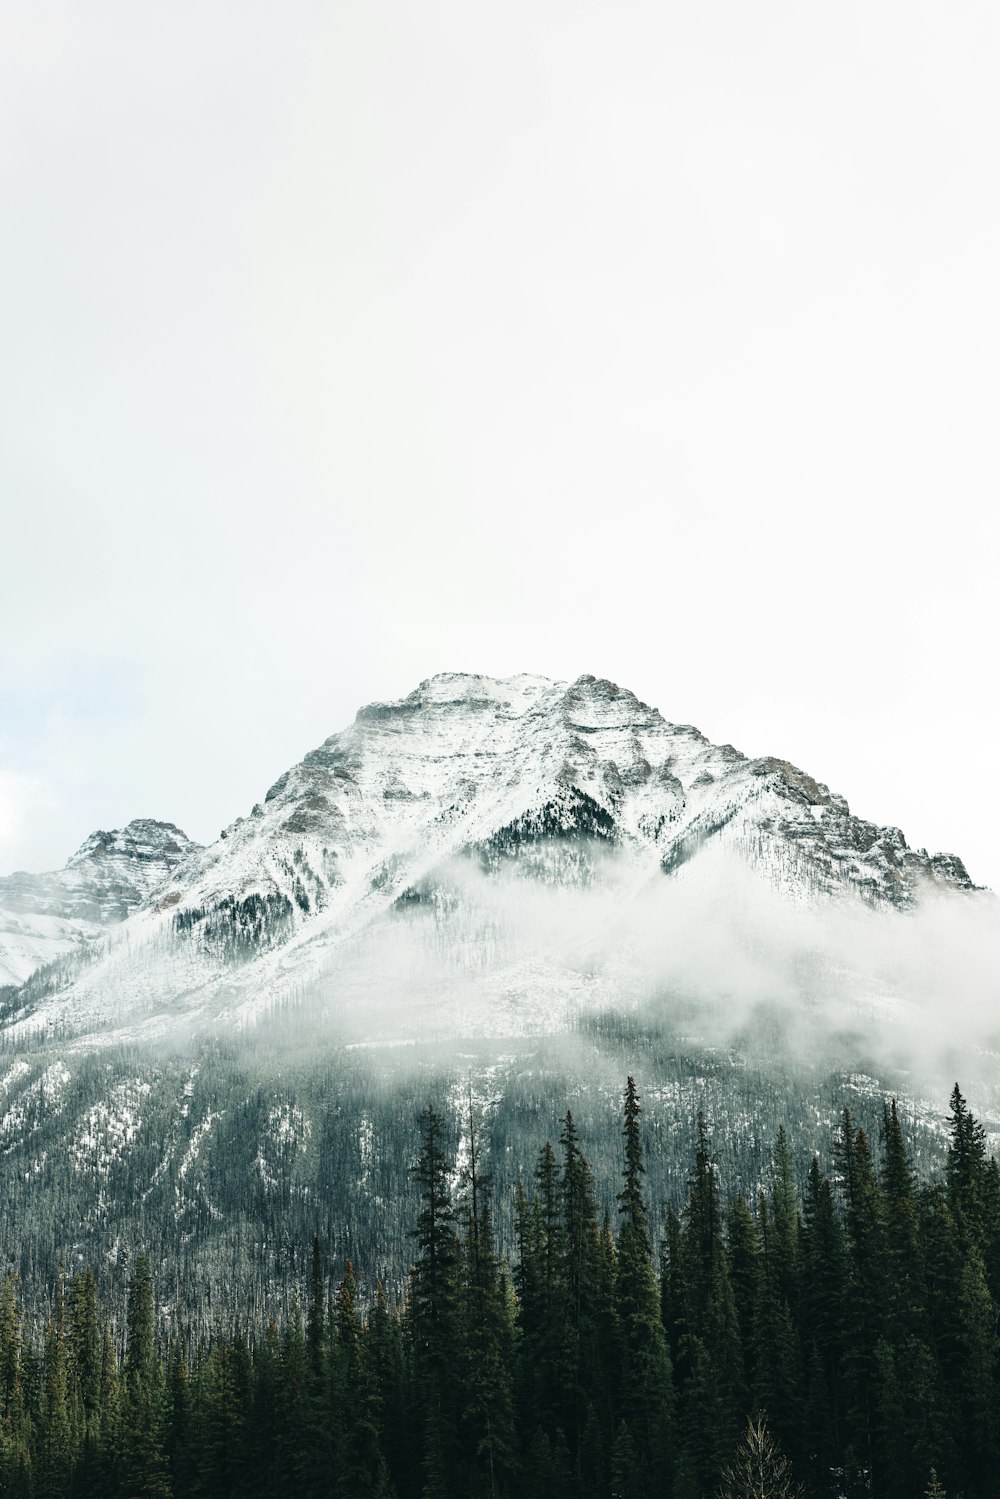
<point>492,893</point>
<point>46,916</point>
<point>440,804</point>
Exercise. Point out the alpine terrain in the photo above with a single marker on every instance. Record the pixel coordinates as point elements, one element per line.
<point>499,892</point>
<point>44,916</point>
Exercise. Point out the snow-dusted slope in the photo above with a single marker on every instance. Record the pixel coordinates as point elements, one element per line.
<point>46,916</point>
<point>468,784</point>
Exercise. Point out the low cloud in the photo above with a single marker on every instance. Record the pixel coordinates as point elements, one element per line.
<point>715,955</point>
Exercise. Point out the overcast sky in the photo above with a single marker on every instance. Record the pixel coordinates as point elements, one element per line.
<point>345,343</point>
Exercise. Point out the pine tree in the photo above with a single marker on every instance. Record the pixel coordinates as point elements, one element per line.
<point>15,1415</point>
<point>629,1465</point>
<point>85,1352</point>
<point>743,1246</point>
<point>866,1296</point>
<point>55,1446</point>
<point>316,1317</point>
<point>140,1325</point>
<point>488,1407</point>
<point>646,1381</point>
<point>178,1425</point>
<point>222,1413</point>
<point>112,1440</point>
<point>710,1352</point>
<point>391,1373</point>
<point>84,1375</point>
<point>361,1468</point>
<point>778,1364</point>
<point>434,1313</point>
<point>548,1327</point>
<point>965,1171</point>
<point>902,1260</point>
<point>142,1455</point>
<point>977,1337</point>
<point>266,1408</point>
<point>10,1344</point>
<point>941,1263</point>
<point>823,1317</point>
<point>580,1240</point>
<point>303,1457</point>
<point>785,1224</point>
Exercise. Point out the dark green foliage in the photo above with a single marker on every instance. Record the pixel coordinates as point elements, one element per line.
<point>646,1376</point>
<point>435,1312</point>
<point>844,1341</point>
<point>239,929</point>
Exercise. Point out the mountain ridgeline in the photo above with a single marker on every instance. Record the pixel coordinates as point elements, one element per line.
<point>464,798</point>
<point>507,891</point>
<point>46,916</point>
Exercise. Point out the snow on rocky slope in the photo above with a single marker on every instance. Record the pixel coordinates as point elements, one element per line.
<point>413,818</point>
<point>46,916</point>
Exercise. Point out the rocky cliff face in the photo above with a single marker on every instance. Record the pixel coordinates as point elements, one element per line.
<point>563,785</point>
<point>46,916</point>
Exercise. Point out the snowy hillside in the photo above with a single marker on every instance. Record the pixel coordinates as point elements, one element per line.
<point>516,890</point>
<point>46,916</point>
<point>484,852</point>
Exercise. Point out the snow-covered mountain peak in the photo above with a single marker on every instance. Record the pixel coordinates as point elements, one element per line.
<point>517,694</point>
<point>557,784</point>
<point>47,916</point>
<point>143,840</point>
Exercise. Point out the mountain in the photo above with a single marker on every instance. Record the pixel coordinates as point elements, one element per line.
<point>428,805</point>
<point>46,916</point>
<point>499,895</point>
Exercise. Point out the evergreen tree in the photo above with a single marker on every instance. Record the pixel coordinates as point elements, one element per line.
<point>743,1245</point>
<point>868,1332</point>
<point>977,1337</point>
<point>778,1365</point>
<point>434,1313</point>
<point>646,1381</point>
<point>488,1406</point>
<point>391,1373</point>
<point>580,1238</point>
<point>965,1172</point>
<point>85,1355</point>
<point>55,1446</point>
<point>902,1259</point>
<point>142,1456</point>
<point>362,1471</point>
<point>866,1296</point>
<point>140,1346</point>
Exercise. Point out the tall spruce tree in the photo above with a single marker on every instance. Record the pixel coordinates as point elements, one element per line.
<point>965,1172</point>
<point>646,1378</point>
<point>143,1457</point>
<point>435,1313</point>
<point>488,1427</point>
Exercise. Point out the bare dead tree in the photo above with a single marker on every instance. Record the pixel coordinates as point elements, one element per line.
<point>760,1469</point>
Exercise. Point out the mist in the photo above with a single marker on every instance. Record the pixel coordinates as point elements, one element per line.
<point>714,956</point>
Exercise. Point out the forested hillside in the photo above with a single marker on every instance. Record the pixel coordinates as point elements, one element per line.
<point>855,1323</point>
<point>223,1162</point>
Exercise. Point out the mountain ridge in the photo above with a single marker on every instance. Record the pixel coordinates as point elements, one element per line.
<point>490,893</point>
<point>518,775</point>
<point>46,916</point>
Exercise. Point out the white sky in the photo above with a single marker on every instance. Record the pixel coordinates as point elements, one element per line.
<point>345,343</point>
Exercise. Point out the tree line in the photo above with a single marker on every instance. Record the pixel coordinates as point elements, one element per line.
<point>835,1341</point>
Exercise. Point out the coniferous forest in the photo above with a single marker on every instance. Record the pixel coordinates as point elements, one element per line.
<point>840,1340</point>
